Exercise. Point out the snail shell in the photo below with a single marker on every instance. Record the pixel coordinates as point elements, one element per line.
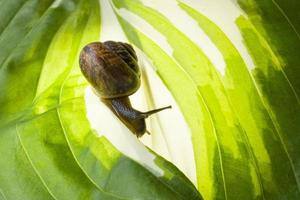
<point>111,68</point>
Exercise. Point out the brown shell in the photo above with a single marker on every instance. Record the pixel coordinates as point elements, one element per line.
<point>111,68</point>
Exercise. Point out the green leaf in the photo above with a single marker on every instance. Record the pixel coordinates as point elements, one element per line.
<point>253,112</point>
<point>230,69</point>
<point>50,149</point>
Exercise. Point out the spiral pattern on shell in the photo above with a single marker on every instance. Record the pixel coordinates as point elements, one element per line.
<point>111,68</point>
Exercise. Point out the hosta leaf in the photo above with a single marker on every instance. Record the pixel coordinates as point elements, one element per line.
<point>277,72</point>
<point>275,83</point>
<point>253,131</point>
<point>49,148</point>
<point>229,69</point>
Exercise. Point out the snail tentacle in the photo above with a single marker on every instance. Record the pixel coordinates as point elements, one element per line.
<point>112,69</point>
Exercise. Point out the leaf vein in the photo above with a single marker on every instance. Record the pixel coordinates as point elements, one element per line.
<point>287,18</point>
<point>210,118</point>
<point>32,165</point>
<point>277,129</point>
<point>2,194</point>
<point>13,16</point>
<point>25,36</point>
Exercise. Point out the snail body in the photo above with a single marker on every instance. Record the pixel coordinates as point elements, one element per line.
<point>112,70</point>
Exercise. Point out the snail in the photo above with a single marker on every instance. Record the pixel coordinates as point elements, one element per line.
<point>112,70</point>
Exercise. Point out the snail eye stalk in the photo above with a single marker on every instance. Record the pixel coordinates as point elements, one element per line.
<point>111,67</point>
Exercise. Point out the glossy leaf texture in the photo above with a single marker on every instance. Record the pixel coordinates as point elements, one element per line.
<point>48,148</point>
<point>231,66</point>
<point>245,116</point>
